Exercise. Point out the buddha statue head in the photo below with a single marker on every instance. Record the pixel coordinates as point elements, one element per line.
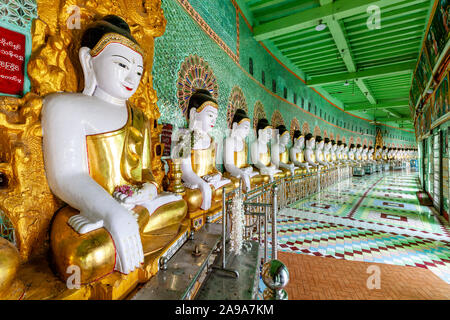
<point>334,146</point>
<point>359,148</point>
<point>340,146</point>
<point>202,111</point>
<point>264,131</point>
<point>241,124</point>
<point>371,151</point>
<point>345,148</point>
<point>327,144</point>
<point>111,59</point>
<point>365,149</point>
<point>310,141</point>
<point>352,148</point>
<point>283,135</point>
<point>298,140</point>
<point>319,143</point>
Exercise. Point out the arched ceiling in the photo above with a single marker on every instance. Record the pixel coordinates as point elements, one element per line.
<point>367,70</point>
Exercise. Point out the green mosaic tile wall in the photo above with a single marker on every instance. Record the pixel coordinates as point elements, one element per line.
<point>184,37</point>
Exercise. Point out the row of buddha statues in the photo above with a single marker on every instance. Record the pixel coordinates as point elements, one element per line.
<point>97,156</point>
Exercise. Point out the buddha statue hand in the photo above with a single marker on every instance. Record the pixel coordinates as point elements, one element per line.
<point>212,178</point>
<point>247,170</point>
<point>124,230</point>
<point>81,224</point>
<point>129,197</point>
<point>206,195</point>
<point>245,176</point>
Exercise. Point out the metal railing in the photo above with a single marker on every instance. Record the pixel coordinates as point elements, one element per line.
<point>262,204</point>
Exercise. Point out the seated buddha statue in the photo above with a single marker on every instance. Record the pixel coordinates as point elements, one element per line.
<point>297,153</point>
<point>320,158</point>
<point>327,151</point>
<point>236,153</point>
<point>260,151</point>
<point>370,155</point>
<point>358,154</point>
<point>384,154</point>
<point>310,156</point>
<point>364,153</point>
<point>378,151</point>
<point>340,152</point>
<point>201,178</point>
<point>390,154</point>
<point>346,154</point>
<point>280,152</point>
<point>333,151</point>
<point>351,155</point>
<point>97,155</point>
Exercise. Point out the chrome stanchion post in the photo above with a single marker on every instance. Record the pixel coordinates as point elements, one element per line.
<point>274,222</point>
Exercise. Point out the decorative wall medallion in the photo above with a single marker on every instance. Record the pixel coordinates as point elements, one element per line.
<point>305,128</point>
<point>331,136</point>
<point>351,140</point>
<point>338,137</point>
<point>344,139</point>
<point>258,113</point>
<point>317,131</point>
<point>236,101</point>
<point>277,119</point>
<point>365,142</point>
<point>325,134</point>
<point>358,140</point>
<point>195,73</point>
<point>295,125</point>
<point>370,143</point>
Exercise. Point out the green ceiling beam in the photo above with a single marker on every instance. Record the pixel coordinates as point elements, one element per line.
<point>309,18</point>
<point>387,119</point>
<point>382,105</point>
<point>384,70</point>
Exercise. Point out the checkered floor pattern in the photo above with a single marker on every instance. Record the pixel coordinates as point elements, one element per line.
<point>375,218</point>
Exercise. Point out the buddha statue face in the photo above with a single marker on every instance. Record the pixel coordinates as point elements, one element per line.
<point>311,143</point>
<point>264,135</point>
<point>205,118</point>
<point>284,138</point>
<point>328,146</point>
<point>114,72</point>
<point>241,129</point>
<point>320,145</point>
<point>334,147</point>
<point>299,143</point>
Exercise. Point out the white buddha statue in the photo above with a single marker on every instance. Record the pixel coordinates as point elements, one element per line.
<point>370,155</point>
<point>384,153</point>
<point>358,154</point>
<point>327,152</point>
<point>202,180</point>
<point>365,154</point>
<point>346,154</point>
<point>280,152</point>
<point>297,153</point>
<point>309,152</point>
<point>261,153</point>
<point>320,158</point>
<point>351,154</point>
<point>236,152</point>
<point>334,150</point>
<point>97,152</point>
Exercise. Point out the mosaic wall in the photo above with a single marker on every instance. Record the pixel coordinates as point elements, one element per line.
<point>196,28</point>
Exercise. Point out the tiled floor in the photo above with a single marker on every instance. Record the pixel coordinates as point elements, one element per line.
<point>314,278</point>
<point>376,219</point>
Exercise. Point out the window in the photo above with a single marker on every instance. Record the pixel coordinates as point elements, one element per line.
<point>295,98</point>
<point>285,93</point>
<point>309,106</point>
<point>263,78</point>
<point>303,103</point>
<point>274,86</point>
<point>321,113</point>
<point>250,66</point>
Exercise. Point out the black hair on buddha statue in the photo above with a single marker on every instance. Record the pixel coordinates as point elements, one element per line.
<point>358,146</point>
<point>308,137</point>
<point>339,142</point>
<point>326,140</point>
<point>199,97</point>
<point>345,145</point>
<point>281,129</point>
<point>333,142</point>
<point>108,24</point>
<point>240,115</point>
<point>352,146</point>
<point>297,134</point>
<point>318,139</point>
<point>262,124</point>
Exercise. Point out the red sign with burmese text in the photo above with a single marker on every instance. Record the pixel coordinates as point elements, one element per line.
<point>12,62</point>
